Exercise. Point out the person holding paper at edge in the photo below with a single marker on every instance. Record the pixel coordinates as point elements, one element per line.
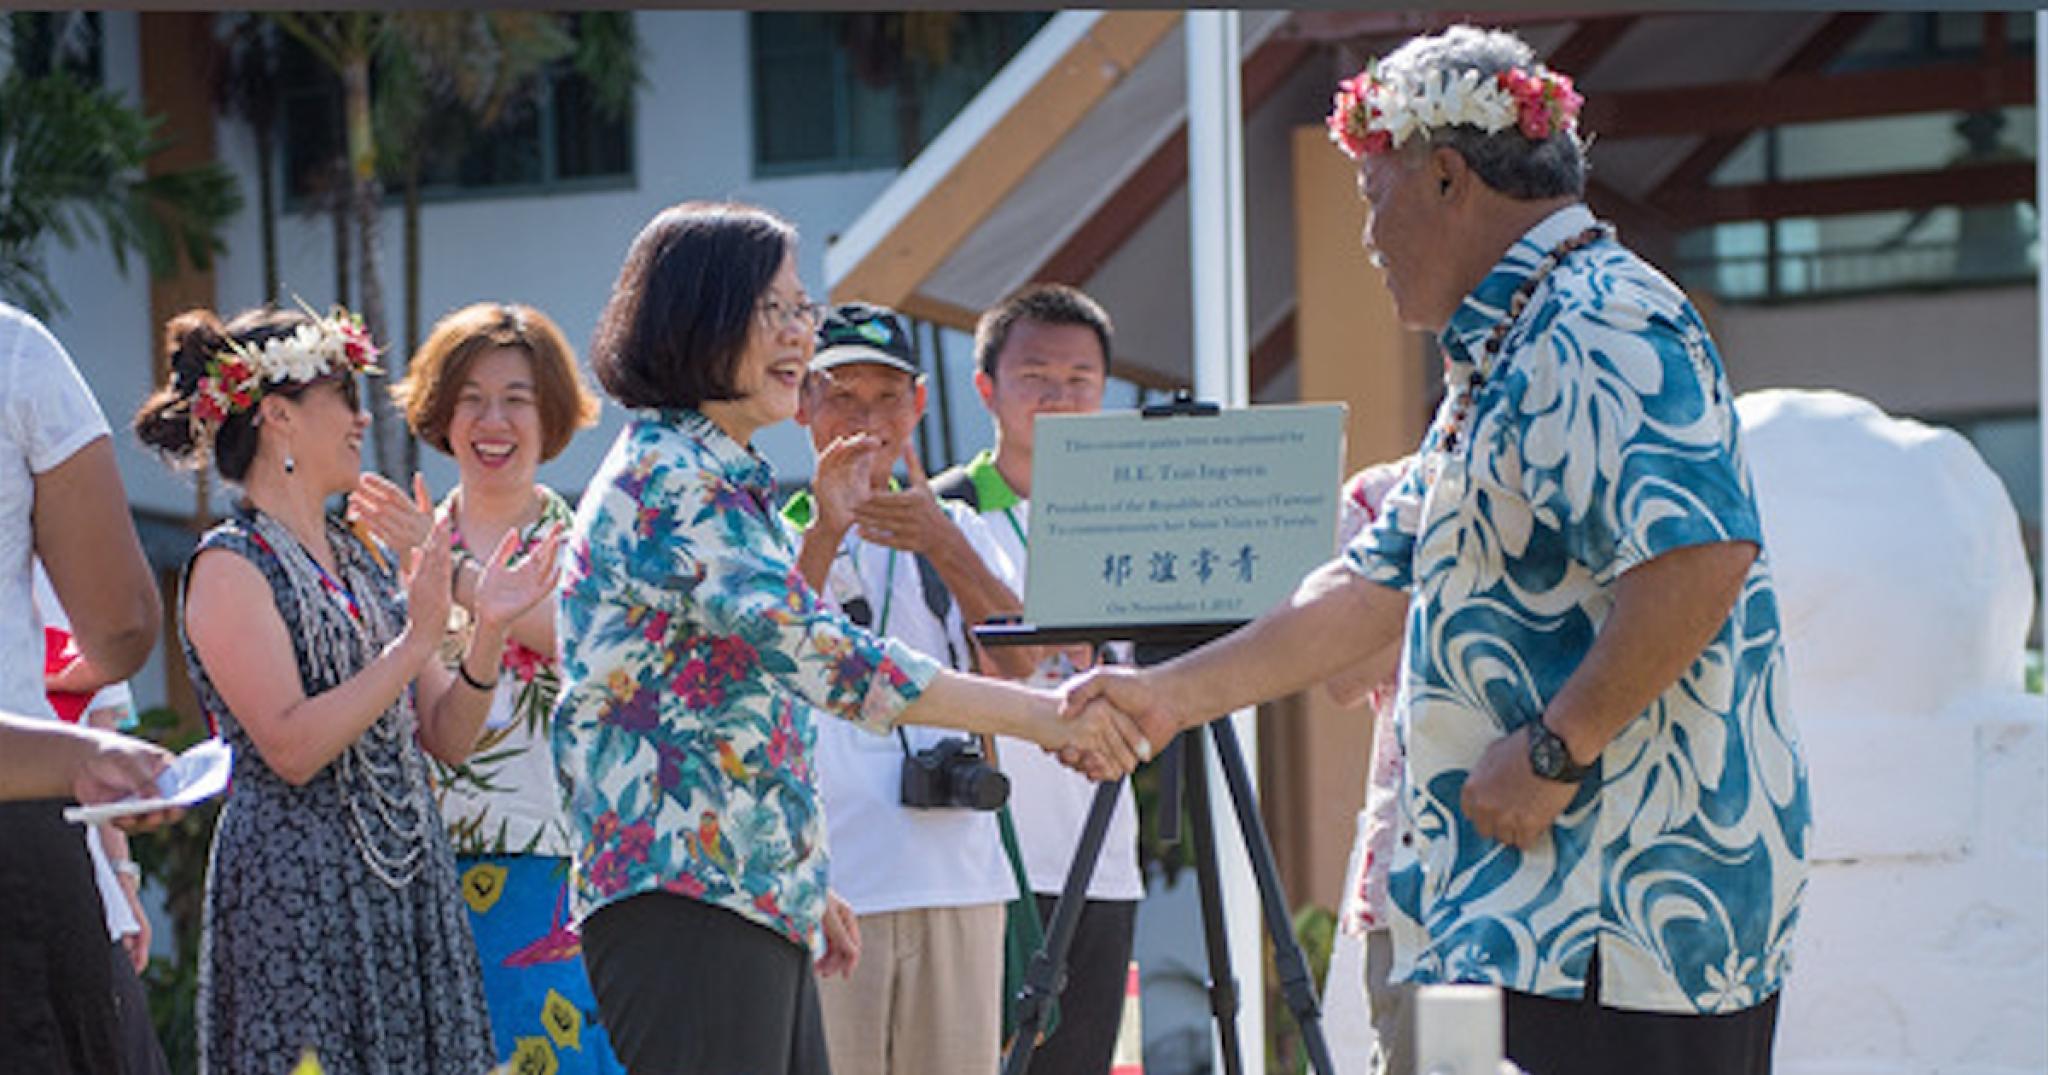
<point>1604,808</point>
<point>61,499</point>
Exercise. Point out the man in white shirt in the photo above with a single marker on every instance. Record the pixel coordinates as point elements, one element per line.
<point>1045,350</point>
<point>60,499</point>
<point>919,859</point>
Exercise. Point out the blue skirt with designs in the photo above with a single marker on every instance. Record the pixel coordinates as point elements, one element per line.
<point>543,1016</point>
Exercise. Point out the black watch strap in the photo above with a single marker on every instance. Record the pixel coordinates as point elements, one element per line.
<point>1550,759</point>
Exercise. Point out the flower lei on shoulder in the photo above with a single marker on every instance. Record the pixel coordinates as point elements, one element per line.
<point>238,375</point>
<point>1372,114</point>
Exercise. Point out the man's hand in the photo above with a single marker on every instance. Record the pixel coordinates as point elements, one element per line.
<point>118,767</point>
<point>843,480</point>
<point>1505,799</point>
<point>1133,693</point>
<point>842,938</point>
<point>909,519</point>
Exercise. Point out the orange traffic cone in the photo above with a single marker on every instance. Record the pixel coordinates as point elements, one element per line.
<point>1129,1058</point>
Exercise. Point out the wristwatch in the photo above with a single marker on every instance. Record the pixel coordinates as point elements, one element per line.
<point>1550,759</point>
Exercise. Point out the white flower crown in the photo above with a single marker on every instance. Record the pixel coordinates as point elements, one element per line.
<point>1372,114</point>
<point>238,375</point>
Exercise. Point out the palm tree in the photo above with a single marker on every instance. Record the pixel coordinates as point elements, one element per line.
<point>417,79</point>
<point>246,86</point>
<point>449,78</point>
<point>72,162</point>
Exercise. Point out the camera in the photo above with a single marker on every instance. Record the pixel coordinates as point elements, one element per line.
<point>953,772</point>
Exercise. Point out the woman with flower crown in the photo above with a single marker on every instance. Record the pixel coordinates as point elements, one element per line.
<point>333,921</point>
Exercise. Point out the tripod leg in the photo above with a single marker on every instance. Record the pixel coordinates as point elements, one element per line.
<point>1223,999</point>
<point>1047,974</point>
<point>1296,986</point>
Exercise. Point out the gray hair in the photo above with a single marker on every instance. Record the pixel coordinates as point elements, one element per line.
<point>1507,160</point>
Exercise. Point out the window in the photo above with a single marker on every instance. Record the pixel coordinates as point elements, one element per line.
<point>838,92</point>
<point>42,43</point>
<point>1925,246</point>
<point>563,136</point>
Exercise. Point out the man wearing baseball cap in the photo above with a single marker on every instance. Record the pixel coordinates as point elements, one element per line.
<point>919,858</point>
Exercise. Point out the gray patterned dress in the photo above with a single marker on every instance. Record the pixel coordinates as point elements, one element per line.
<point>333,920</point>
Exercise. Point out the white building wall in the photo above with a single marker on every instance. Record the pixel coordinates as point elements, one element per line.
<point>1965,351</point>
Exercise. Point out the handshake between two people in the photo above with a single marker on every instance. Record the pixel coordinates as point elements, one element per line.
<point>1118,719</point>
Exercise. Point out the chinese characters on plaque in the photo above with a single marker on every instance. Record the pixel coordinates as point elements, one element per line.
<point>1182,519</point>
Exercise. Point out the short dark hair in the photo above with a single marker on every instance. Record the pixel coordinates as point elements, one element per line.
<point>434,374</point>
<point>1045,304</point>
<point>683,307</point>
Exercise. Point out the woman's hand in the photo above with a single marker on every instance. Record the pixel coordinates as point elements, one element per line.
<point>136,944</point>
<point>427,587</point>
<point>402,524</point>
<point>842,938</point>
<point>506,589</point>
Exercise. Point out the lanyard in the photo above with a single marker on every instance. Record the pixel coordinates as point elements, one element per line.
<point>327,581</point>
<point>888,589</point>
<point>1016,528</point>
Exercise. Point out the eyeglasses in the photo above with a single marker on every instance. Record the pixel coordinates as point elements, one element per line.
<point>777,314</point>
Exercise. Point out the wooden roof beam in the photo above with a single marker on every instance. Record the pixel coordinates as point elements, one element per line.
<point>1745,106</point>
<point>1120,216</point>
<point>1592,40</point>
<point>1826,43</point>
<point>972,186</point>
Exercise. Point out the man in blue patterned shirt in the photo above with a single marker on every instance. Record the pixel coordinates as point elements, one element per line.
<point>1605,808</point>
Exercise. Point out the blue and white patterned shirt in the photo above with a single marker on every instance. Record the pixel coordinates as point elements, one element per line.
<point>1605,436</point>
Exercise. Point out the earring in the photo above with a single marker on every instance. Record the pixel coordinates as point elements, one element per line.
<point>290,465</point>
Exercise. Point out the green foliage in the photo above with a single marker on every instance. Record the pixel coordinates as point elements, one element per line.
<point>2033,671</point>
<point>1316,928</point>
<point>71,162</point>
<point>174,858</point>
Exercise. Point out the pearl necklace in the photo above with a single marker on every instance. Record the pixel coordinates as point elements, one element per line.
<point>1461,407</point>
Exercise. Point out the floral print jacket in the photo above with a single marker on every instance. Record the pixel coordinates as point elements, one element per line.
<point>693,656</point>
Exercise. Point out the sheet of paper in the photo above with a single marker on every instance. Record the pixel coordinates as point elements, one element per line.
<point>199,774</point>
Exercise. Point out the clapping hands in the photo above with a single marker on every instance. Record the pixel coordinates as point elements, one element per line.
<point>508,589</point>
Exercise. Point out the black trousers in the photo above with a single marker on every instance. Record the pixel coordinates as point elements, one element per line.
<point>57,1013</point>
<point>1092,1004</point>
<point>686,988</point>
<point>141,1053</point>
<point>1580,1037</point>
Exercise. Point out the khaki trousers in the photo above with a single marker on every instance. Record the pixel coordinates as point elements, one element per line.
<point>925,998</point>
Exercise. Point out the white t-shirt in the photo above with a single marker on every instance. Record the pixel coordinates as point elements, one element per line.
<point>1048,801</point>
<point>886,856</point>
<point>46,415</point>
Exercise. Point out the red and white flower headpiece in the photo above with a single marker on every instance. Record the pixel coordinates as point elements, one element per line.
<point>237,376</point>
<point>1374,114</point>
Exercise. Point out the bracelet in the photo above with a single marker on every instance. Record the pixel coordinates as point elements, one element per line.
<point>128,868</point>
<point>462,669</point>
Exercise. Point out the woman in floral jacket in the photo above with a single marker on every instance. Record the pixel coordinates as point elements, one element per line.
<point>694,660</point>
<point>496,387</point>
